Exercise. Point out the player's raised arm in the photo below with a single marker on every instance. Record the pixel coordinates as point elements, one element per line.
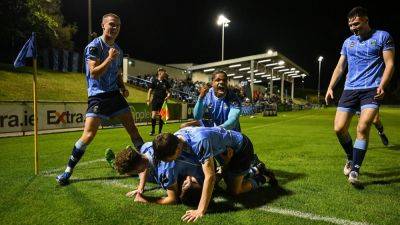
<point>98,68</point>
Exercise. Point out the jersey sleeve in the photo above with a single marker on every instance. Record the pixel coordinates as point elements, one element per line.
<point>168,84</point>
<point>204,151</point>
<point>152,84</point>
<point>343,51</point>
<point>92,52</point>
<point>387,42</point>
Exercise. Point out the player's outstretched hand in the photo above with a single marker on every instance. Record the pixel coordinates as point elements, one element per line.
<point>328,96</point>
<point>380,93</point>
<point>131,194</point>
<point>192,216</point>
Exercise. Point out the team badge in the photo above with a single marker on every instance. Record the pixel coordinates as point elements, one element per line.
<point>93,51</point>
<point>96,109</point>
<point>352,44</point>
<point>373,42</point>
<point>164,179</point>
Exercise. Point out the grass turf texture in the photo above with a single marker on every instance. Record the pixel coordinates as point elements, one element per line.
<point>300,146</point>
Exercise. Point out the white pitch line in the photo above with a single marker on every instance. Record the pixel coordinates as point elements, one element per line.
<point>283,121</point>
<point>311,216</point>
<point>290,212</point>
<point>55,170</point>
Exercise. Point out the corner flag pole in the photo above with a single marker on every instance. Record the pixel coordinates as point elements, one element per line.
<point>35,128</point>
<point>29,50</point>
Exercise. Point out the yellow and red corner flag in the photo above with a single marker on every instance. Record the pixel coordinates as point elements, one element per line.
<point>164,113</point>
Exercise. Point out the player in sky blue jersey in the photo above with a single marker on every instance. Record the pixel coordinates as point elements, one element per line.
<point>369,56</point>
<point>205,143</point>
<point>169,175</point>
<point>219,105</point>
<point>106,91</point>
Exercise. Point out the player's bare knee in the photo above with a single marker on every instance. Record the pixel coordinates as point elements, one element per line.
<point>363,128</point>
<point>88,136</point>
<point>340,130</point>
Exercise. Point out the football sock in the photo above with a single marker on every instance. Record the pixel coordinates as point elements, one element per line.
<point>379,127</point>
<point>77,153</point>
<point>360,148</point>
<point>347,145</point>
<point>153,125</point>
<point>253,171</point>
<point>160,125</point>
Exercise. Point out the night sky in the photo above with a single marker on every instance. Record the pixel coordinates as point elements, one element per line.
<point>186,31</point>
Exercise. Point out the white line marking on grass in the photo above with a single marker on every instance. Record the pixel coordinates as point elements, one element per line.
<point>114,183</point>
<point>56,170</point>
<point>283,121</point>
<point>290,212</point>
<point>311,216</point>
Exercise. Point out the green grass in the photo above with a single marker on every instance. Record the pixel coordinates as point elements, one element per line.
<point>16,84</point>
<point>299,146</point>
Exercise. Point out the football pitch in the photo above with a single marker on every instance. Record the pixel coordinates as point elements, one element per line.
<point>299,146</point>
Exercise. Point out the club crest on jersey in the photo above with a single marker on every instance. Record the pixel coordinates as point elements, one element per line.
<point>225,106</point>
<point>352,44</point>
<point>373,43</point>
<point>164,179</point>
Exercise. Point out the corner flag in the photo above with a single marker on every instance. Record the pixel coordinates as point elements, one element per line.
<point>28,51</point>
<point>164,113</point>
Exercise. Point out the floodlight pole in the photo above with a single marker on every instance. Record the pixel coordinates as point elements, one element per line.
<point>223,41</point>
<point>272,82</point>
<point>319,75</point>
<point>90,20</point>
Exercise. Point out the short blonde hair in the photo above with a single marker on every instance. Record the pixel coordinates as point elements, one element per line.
<point>110,15</point>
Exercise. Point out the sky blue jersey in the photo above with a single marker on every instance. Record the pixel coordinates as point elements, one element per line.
<point>98,50</point>
<point>215,110</point>
<point>168,173</point>
<point>206,142</point>
<point>365,60</point>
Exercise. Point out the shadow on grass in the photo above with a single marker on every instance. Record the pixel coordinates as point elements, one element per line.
<point>223,202</point>
<point>380,178</point>
<point>393,147</point>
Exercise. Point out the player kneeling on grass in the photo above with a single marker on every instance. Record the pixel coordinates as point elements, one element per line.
<point>205,143</point>
<point>169,175</point>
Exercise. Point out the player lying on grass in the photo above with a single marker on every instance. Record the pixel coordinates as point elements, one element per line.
<point>181,178</point>
<point>205,143</point>
<point>167,174</point>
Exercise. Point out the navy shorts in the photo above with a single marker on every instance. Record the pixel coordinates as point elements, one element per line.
<point>357,100</point>
<point>241,161</point>
<point>107,105</point>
